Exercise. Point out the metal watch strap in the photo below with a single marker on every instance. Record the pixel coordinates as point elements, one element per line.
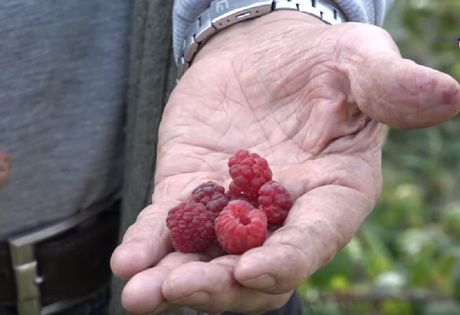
<point>223,13</point>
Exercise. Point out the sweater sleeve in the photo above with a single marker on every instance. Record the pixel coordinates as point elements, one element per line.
<point>186,11</point>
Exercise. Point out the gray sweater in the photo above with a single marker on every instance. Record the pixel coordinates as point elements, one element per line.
<point>63,84</point>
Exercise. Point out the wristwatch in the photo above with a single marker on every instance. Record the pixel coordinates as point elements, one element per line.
<point>223,13</point>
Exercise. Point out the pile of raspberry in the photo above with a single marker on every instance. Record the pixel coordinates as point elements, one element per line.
<point>238,219</point>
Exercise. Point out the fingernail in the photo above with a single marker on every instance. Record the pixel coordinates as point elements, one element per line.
<point>265,281</point>
<point>197,298</point>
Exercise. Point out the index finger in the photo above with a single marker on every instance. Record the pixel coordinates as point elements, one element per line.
<point>143,244</point>
<point>147,241</point>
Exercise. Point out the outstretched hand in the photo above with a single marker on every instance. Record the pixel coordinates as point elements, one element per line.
<point>309,97</point>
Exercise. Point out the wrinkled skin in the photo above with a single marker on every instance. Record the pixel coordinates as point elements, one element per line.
<point>5,167</point>
<point>309,97</point>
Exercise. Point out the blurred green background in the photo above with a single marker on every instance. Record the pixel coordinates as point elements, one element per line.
<point>405,260</point>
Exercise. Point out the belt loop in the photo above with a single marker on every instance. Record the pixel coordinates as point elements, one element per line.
<point>27,280</point>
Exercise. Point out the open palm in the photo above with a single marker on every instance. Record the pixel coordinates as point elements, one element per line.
<point>308,97</point>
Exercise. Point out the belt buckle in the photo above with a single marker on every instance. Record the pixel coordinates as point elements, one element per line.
<point>25,266</point>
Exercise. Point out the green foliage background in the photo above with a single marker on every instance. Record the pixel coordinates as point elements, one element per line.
<point>406,257</point>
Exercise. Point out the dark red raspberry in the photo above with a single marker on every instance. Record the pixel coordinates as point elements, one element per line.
<point>191,226</point>
<point>211,195</point>
<point>275,201</point>
<point>240,227</point>
<point>249,172</point>
<point>237,193</point>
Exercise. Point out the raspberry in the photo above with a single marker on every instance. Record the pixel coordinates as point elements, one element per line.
<point>275,201</point>
<point>240,227</point>
<point>236,192</point>
<point>191,226</point>
<point>249,172</point>
<point>211,195</point>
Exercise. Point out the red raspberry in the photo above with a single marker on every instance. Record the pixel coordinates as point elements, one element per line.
<point>191,226</point>
<point>275,201</point>
<point>238,193</point>
<point>240,227</point>
<point>211,195</point>
<point>249,172</point>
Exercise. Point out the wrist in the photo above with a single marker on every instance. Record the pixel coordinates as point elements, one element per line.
<point>221,14</point>
<point>273,27</point>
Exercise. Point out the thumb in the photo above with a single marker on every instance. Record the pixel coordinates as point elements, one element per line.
<point>403,94</point>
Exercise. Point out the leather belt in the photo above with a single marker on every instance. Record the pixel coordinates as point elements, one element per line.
<point>64,262</point>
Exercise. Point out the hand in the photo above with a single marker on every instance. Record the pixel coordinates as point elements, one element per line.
<point>311,99</point>
<point>5,167</point>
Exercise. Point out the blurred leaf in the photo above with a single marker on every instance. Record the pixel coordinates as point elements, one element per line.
<point>377,258</point>
<point>441,308</point>
<point>391,282</point>
<point>451,220</point>
<point>396,308</point>
<point>456,280</point>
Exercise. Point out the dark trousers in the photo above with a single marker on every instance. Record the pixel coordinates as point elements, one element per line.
<point>98,305</point>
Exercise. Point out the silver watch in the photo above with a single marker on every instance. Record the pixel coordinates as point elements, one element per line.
<point>223,13</point>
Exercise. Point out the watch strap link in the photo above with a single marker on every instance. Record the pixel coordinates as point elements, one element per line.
<point>223,13</point>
